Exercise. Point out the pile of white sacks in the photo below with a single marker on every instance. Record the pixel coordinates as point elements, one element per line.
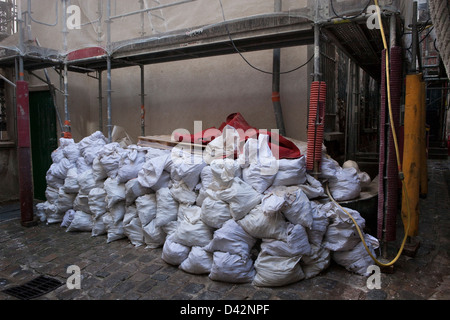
<point>250,219</point>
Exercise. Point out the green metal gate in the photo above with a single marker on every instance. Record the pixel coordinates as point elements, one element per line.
<point>43,138</point>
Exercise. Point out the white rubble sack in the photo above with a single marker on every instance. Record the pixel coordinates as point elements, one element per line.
<point>345,185</point>
<point>290,172</point>
<point>297,208</point>
<point>315,263</point>
<point>157,162</point>
<point>226,145</point>
<point>231,268</point>
<point>275,271</point>
<point>191,230</point>
<point>241,197</point>
<point>296,243</point>
<point>132,226</point>
<point>68,218</point>
<point>97,202</point>
<point>115,191</point>
<point>166,207</point>
<point>154,236</point>
<point>312,188</point>
<point>215,212</point>
<point>232,238</point>
<point>263,226</point>
<point>223,171</point>
<point>186,167</point>
<point>357,260</point>
<point>319,225</point>
<point>198,261</point>
<point>341,234</point>
<point>71,182</point>
<point>81,222</point>
<point>174,253</point>
<point>259,165</point>
<point>146,208</point>
<point>133,190</point>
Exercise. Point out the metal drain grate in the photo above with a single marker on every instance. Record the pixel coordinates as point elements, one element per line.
<point>34,288</point>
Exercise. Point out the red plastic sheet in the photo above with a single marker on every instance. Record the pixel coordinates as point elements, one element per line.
<point>284,148</point>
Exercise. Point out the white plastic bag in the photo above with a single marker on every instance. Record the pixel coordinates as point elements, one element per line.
<point>152,170</point>
<point>87,182</point>
<point>114,230</point>
<point>81,203</point>
<point>65,200</point>
<point>319,225</point>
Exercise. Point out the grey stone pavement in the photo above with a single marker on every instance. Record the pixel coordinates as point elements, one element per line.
<point>120,271</point>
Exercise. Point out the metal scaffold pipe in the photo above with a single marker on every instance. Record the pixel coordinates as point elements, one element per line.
<point>276,100</point>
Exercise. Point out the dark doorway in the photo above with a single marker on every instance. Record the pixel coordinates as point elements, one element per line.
<point>43,138</point>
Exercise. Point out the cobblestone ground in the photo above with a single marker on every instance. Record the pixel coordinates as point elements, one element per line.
<point>118,270</point>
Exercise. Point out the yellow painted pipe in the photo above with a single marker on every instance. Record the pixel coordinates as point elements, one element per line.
<point>411,150</point>
<point>423,144</point>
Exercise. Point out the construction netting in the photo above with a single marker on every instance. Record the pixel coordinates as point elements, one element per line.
<point>56,28</point>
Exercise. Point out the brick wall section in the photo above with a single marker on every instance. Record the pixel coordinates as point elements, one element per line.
<point>440,15</point>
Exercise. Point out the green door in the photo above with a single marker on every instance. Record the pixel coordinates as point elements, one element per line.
<point>43,138</point>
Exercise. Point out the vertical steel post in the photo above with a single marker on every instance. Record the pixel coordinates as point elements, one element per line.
<point>108,71</point>
<point>26,195</point>
<point>24,154</point>
<point>100,102</point>
<point>276,82</point>
<point>142,101</point>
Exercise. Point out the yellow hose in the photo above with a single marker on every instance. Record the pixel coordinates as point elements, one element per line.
<point>397,152</point>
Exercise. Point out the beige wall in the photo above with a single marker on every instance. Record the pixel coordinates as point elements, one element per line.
<point>179,93</point>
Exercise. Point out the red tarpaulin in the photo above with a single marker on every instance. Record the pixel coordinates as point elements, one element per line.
<point>284,148</point>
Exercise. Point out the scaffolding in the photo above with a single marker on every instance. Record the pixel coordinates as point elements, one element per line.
<point>92,41</point>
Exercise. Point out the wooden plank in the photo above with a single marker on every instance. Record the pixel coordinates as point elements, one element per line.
<point>166,142</point>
